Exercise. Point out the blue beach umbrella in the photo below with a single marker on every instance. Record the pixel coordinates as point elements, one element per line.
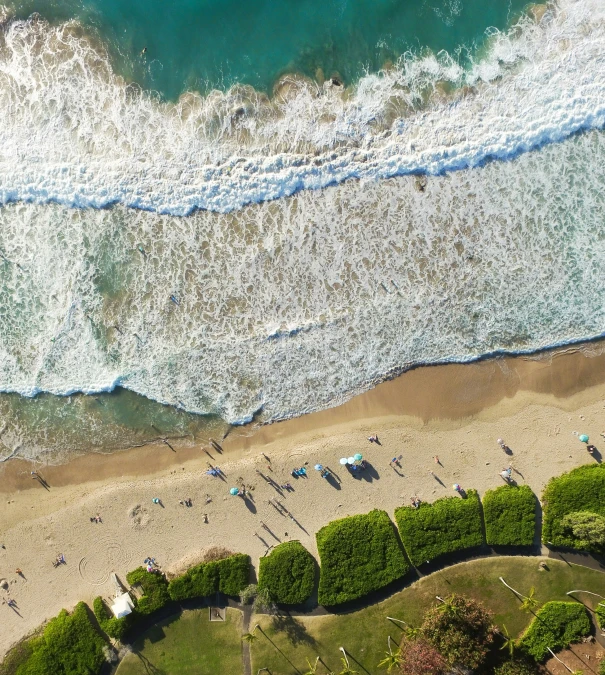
<point>358,457</point>
<point>318,467</point>
<point>234,491</point>
<point>584,438</point>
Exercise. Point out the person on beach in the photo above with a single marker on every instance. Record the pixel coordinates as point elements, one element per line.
<point>437,461</point>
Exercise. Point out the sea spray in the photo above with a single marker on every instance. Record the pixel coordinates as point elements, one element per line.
<point>290,306</point>
<point>72,132</point>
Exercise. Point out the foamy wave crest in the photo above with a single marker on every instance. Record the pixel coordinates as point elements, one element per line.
<point>72,132</point>
<point>297,304</point>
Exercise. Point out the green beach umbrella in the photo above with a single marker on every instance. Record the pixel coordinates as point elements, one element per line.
<point>584,438</point>
<point>234,491</point>
<point>358,457</point>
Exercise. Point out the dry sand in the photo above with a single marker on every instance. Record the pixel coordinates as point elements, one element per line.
<point>537,405</point>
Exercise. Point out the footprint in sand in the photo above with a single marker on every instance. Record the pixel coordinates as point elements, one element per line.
<point>139,517</point>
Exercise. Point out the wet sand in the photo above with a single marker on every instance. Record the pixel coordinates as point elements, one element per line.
<point>442,396</point>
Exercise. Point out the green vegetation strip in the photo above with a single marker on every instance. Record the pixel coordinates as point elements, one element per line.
<point>448,525</point>
<point>188,644</point>
<point>364,633</point>
<point>580,490</point>
<point>229,576</point>
<point>358,555</point>
<point>510,515</point>
<point>68,645</point>
<point>288,573</point>
<point>556,625</point>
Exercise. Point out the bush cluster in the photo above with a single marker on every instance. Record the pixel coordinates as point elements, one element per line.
<point>510,516</point>
<point>358,555</point>
<point>556,625</point>
<point>447,525</point>
<point>69,645</point>
<point>229,576</point>
<point>517,666</point>
<point>461,629</point>
<point>582,489</point>
<point>155,590</point>
<point>111,625</point>
<point>288,573</point>
<point>600,613</point>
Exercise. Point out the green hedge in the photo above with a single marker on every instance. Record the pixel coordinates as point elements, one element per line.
<point>556,625</point>
<point>229,576</point>
<point>288,573</point>
<point>358,555</point>
<point>600,612</point>
<point>111,625</point>
<point>510,516</point>
<point>582,489</point>
<point>69,645</point>
<point>155,590</point>
<point>447,525</point>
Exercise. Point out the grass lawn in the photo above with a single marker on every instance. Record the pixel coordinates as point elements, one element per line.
<point>364,633</point>
<point>189,645</point>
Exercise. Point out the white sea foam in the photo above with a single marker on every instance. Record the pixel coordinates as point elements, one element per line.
<point>297,304</point>
<point>72,132</point>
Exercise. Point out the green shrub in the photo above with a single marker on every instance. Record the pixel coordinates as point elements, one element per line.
<point>69,645</point>
<point>288,573</point>
<point>556,625</point>
<point>602,667</point>
<point>600,613</point>
<point>447,525</point>
<point>510,516</point>
<point>358,555</point>
<point>234,573</point>
<point>461,629</point>
<point>229,576</point>
<point>111,625</point>
<point>155,590</point>
<point>517,666</point>
<point>582,489</point>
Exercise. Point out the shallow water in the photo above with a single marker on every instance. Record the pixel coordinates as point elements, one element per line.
<point>275,305</point>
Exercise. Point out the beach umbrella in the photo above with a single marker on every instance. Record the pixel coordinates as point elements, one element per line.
<point>351,460</point>
<point>344,461</point>
<point>456,487</point>
<point>584,438</point>
<point>318,467</point>
<point>358,457</point>
<point>234,491</point>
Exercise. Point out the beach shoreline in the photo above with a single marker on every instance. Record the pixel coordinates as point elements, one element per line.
<point>538,405</point>
<point>440,395</point>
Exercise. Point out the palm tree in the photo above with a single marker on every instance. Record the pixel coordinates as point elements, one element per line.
<point>250,637</point>
<point>312,668</point>
<point>346,668</point>
<point>447,606</point>
<point>573,672</point>
<point>509,642</point>
<point>529,602</point>
<point>391,659</point>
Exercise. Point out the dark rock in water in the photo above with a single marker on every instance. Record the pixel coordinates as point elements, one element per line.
<point>336,82</point>
<point>238,112</point>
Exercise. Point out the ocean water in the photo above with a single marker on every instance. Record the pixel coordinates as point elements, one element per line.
<point>227,254</point>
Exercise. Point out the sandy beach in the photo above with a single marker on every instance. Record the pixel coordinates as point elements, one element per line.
<point>538,405</point>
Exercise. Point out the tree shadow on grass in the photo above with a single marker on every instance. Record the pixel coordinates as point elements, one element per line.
<point>150,668</point>
<point>295,630</point>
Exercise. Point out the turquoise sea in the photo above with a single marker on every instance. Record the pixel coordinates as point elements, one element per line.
<point>196,45</point>
<point>192,235</point>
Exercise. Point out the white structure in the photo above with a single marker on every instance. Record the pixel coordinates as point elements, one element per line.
<point>122,605</point>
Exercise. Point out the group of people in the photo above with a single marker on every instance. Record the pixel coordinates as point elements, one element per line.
<point>59,560</point>
<point>96,519</point>
<point>186,502</point>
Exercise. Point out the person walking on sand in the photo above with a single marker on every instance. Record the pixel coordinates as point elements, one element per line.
<point>437,461</point>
